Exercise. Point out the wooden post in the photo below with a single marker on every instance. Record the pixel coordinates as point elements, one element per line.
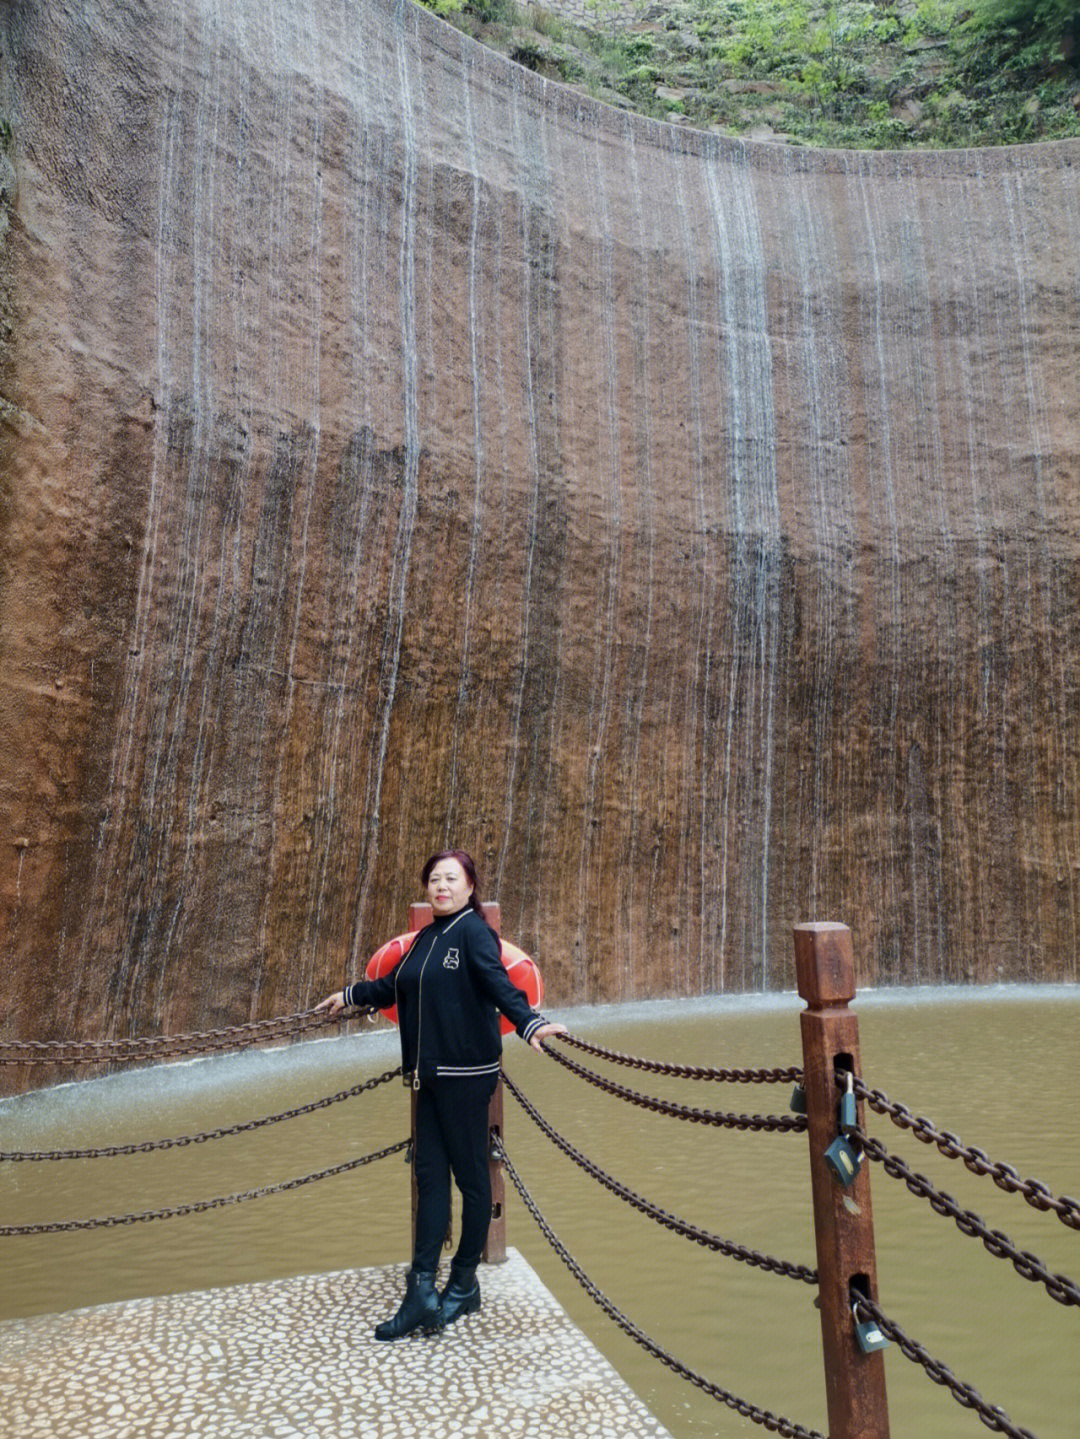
<point>843,1219</point>
<point>495,1243</point>
<point>419,915</point>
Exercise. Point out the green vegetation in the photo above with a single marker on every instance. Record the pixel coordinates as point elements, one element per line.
<point>865,74</point>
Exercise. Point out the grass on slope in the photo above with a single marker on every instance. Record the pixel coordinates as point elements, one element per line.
<point>853,73</point>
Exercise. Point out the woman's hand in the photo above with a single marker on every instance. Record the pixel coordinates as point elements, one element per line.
<point>544,1031</point>
<point>332,1004</point>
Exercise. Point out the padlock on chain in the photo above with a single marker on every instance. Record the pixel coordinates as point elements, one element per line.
<point>849,1114</point>
<point>868,1334</point>
<point>798,1100</point>
<point>843,1160</point>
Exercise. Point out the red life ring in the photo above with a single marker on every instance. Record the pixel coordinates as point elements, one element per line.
<point>521,970</point>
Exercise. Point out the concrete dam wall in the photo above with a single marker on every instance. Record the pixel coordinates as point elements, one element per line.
<point>399,449</point>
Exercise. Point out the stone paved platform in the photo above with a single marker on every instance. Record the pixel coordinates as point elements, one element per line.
<point>294,1359</point>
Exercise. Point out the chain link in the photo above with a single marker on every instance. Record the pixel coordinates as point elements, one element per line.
<point>181,1140</point>
<point>992,1415</point>
<point>977,1161</point>
<point>1026,1264</point>
<point>201,1206</point>
<point>776,1123</point>
<point>662,1216</point>
<point>792,1075</point>
<point>774,1423</point>
<point>163,1046</point>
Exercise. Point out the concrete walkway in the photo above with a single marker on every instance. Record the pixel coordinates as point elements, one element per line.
<point>295,1359</point>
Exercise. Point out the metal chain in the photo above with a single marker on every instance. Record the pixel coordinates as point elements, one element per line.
<point>149,1145</point>
<point>776,1424</point>
<point>992,1415</point>
<point>977,1161</point>
<point>1026,1264</point>
<point>202,1205</point>
<point>162,1046</point>
<point>777,1123</point>
<point>791,1075</point>
<point>662,1216</point>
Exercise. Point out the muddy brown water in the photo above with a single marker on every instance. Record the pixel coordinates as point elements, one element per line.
<point>998,1067</point>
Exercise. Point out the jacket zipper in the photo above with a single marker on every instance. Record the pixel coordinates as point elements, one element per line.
<point>420,996</point>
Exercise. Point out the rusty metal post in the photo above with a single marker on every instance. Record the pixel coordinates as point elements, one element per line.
<point>843,1219</point>
<point>495,1243</point>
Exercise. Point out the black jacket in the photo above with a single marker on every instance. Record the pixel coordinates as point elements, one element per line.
<point>448,990</point>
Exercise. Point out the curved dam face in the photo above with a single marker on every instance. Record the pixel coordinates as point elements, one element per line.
<point>400,449</point>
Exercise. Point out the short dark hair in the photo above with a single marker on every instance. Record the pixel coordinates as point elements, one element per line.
<point>467,863</point>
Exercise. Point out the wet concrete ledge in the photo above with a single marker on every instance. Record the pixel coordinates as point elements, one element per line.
<point>295,1359</point>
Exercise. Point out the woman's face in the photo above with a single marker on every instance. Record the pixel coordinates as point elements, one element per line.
<point>448,887</point>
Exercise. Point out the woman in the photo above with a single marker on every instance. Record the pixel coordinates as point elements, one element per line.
<point>448,990</point>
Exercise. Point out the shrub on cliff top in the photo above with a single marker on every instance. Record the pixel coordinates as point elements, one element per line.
<point>1041,30</point>
<point>865,74</point>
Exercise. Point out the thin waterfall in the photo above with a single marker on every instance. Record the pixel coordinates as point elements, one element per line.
<point>391,657</point>
<point>476,226</point>
<point>755,535</point>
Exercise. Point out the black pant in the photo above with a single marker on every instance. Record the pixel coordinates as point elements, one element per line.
<point>452,1137</point>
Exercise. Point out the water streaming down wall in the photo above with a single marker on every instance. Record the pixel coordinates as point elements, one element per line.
<point>399,448</point>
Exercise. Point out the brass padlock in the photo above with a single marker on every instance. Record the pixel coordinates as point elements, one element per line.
<point>849,1114</point>
<point>798,1100</point>
<point>842,1159</point>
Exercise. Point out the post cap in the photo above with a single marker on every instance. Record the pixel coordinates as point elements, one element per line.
<point>824,966</point>
<point>420,914</point>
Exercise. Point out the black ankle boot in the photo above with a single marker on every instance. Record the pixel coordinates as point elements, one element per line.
<point>419,1309</point>
<point>460,1297</point>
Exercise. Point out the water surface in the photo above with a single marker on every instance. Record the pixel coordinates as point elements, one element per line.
<point>996,1066</point>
